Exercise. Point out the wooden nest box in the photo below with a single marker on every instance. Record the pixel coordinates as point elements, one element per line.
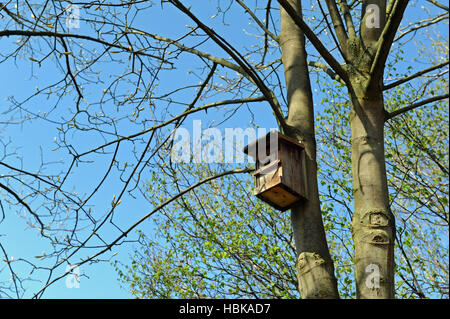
<point>279,170</point>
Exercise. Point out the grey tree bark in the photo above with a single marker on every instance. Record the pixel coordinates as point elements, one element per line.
<point>373,225</point>
<point>315,270</point>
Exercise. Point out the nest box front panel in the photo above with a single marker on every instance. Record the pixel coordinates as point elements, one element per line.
<point>267,177</point>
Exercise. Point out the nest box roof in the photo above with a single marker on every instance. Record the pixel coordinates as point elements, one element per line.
<point>281,138</point>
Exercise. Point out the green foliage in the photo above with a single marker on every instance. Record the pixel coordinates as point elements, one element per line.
<point>417,157</point>
<point>418,179</point>
<point>215,242</point>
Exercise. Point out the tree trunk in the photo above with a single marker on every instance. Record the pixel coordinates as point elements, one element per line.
<point>373,225</point>
<point>315,269</point>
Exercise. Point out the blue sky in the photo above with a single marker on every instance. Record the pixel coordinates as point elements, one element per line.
<point>99,280</point>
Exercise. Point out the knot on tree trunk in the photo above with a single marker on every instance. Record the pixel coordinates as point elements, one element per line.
<point>314,278</point>
<point>373,233</point>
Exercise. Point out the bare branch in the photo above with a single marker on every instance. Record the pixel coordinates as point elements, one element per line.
<point>415,75</point>
<point>173,119</point>
<point>327,70</point>
<point>338,25</point>
<point>413,106</point>
<point>276,108</point>
<point>28,33</point>
<point>386,40</point>
<point>13,274</point>
<point>348,18</point>
<point>439,5</point>
<point>260,24</point>
<point>22,202</point>
<point>422,24</point>
<point>332,62</point>
<point>199,53</point>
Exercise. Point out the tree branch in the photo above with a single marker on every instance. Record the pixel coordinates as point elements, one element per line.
<point>348,18</point>
<point>255,18</point>
<point>341,42</point>
<point>21,202</point>
<point>77,36</point>
<point>173,119</point>
<point>386,40</point>
<point>422,24</point>
<point>327,70</point>
<point>332,62</point>
<point>199,53</point>
<point>338,25</point>
<point>13,274</point>
<point>270,96</point>
<point>415,75</point>
<point>439,5</point>
<point>410,107</point>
